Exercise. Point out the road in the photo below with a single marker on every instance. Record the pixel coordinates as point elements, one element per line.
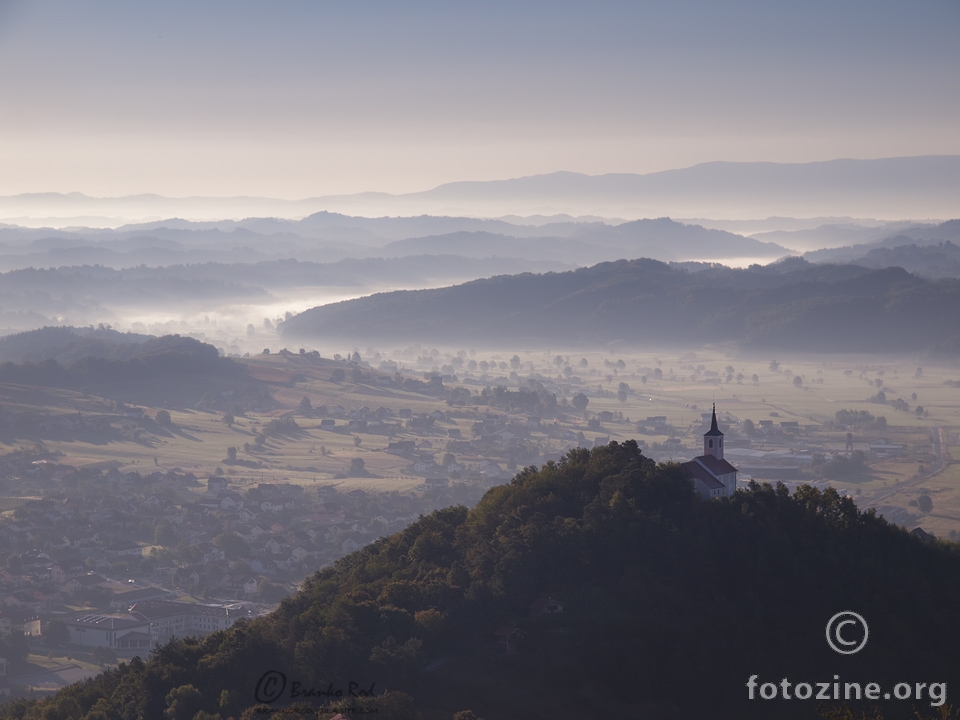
<point>938,440</point>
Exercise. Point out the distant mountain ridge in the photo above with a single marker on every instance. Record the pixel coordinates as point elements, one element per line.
<point>889,188</point>
<point>327,237</point>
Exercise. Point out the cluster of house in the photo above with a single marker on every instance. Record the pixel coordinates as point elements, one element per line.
<point>77,548</point>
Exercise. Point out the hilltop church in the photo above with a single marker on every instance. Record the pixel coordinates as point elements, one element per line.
<point>712,475</point>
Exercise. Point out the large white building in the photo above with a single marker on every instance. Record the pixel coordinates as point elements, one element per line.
<point>122,632</point>
<point>712,476</point>
<point>152,623</point>
<point>169,618</point>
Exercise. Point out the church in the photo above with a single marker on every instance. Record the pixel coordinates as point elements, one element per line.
<point>712,475</point>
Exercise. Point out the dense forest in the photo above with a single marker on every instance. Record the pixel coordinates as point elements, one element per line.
<point>108,358</point>
<point>789,305</point>
<point>67,344</point>
<point>670,604</point>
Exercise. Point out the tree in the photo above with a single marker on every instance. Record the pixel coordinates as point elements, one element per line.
<point>515,362</point>
<point>183,703</point>
<point>356,466</point>
<point>797,381</point>
<point>104,655</point>
<point>580,402</point>
<point>925,504</point>
<point>15,647</point>
<point>749,428</point>
<point>56,633</point>
<point>228,418</point>
<point>272,592</point>
<point>163,418</point>
<point>164,534</point>
<point>305,407</point>
<point>338,375</point>
<point>774,365</point>
<point>232,454</point>
<point>356,375</point>
<point>234,547</point>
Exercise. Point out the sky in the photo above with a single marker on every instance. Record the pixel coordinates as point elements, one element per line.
<point>298,99</point>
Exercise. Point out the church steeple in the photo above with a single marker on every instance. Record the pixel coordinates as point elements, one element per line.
<point>713,438</point>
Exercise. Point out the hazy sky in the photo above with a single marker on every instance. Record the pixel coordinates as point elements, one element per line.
<point>295,99</point>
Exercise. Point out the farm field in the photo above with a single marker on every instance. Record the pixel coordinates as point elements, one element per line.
<point>622,389</point>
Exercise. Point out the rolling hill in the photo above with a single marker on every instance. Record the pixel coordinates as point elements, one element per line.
<point>787,305</point>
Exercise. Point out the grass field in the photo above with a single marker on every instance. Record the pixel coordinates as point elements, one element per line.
<point>679,387</point>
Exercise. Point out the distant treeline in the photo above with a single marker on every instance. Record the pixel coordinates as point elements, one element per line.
<point>167,355</point>
<point>68,344</point>
<point>789,305</point>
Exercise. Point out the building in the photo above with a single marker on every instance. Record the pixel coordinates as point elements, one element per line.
<point>168,618</point>
<point>545,605</point>
<point>125,632</point>
<point>22,621</point>
<point>712,476</point>
<point>509,639</point>
<point>125,600</point>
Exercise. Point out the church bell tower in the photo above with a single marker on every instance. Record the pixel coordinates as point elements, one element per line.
<point>713,438</point>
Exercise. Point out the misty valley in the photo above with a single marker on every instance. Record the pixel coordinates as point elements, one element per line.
<point>467,464</point>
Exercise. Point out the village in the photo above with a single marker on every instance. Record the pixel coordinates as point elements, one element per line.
<point>125,525</point>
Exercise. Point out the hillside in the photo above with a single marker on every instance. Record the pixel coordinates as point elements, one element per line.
<point>168,371</point>
<point>670,604</point>
<point>788,305</point>
<point>905,235</point>
<point>663,239</point>
<point>69,344</point>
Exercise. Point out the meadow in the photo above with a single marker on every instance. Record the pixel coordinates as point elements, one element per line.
<point>633,386</point>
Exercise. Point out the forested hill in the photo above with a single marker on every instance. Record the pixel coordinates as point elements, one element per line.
<point>93,360</point>
<point>67,344</point>
<point>670,604</point>
<point>789,305</point>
